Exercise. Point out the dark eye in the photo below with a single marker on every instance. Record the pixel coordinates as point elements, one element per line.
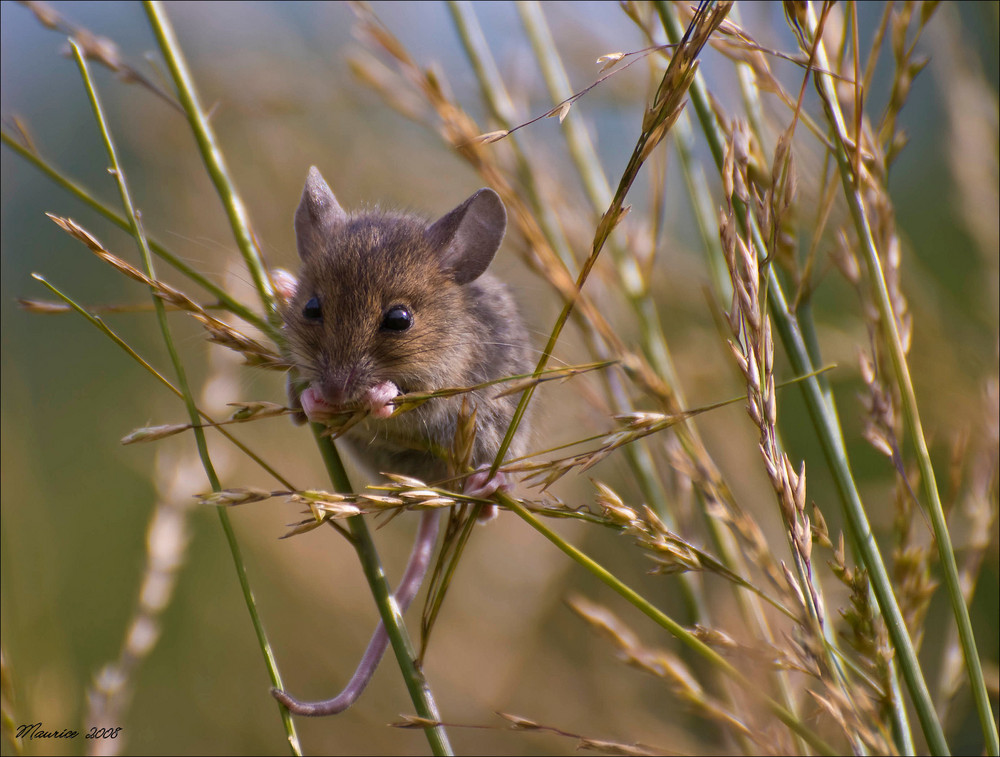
<point>312,311</point>
<point>397,318</point>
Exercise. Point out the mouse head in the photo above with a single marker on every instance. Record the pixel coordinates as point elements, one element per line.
<point>384,297</point>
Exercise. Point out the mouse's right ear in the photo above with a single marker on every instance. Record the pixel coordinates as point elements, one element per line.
<point>467,238</point>
<point>317,215</point>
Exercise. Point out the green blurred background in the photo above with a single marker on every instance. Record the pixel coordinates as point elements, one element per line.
<point>75,504</point>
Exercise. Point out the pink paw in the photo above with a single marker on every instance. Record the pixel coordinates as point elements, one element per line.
<point>480,484</point>
<point>378,399</point>
<point>285,284</point>
<point>317,409</point>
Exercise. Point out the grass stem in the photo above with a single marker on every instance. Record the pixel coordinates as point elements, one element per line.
<point>193,415</point>
<point>887,319</point>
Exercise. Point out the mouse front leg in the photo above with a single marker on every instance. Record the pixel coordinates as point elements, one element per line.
<point>409,585</point>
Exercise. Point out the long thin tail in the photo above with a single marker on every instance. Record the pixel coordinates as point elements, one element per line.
<point>413,576</point>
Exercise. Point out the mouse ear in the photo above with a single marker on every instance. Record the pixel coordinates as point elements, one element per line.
<point>318,214</point>
<point>469,236</point>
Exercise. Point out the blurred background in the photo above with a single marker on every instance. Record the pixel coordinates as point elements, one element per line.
<point>76,504</point>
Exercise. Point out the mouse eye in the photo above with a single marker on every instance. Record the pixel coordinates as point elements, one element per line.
<point>312,311</point>
<point>397,318</point>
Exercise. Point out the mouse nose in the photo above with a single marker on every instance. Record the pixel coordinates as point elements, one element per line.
<point>339,387</point>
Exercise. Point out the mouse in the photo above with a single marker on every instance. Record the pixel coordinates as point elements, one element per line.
<point>389,303</point>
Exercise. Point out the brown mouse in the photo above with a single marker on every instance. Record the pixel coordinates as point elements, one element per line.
<point>387,304</point>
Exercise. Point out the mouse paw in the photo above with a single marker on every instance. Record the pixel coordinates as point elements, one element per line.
<point>480,484</point>
<point>285,284</point>
<point>316,409</point>
<point>378,399</point>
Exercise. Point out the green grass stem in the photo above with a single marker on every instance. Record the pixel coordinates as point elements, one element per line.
<point>887,319</point>
<point>828,430</point>
<point>666,105</point>
<point>636,289</point>
<point>831,651</point>
<point>215,164</point>
<point>193,415</point>
<point>402,646</point>
<point>491,85</point>
<point>212,156</point>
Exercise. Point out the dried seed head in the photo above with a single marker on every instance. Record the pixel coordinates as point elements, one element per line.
<point>614,508</point>
<point>237,496</point>
<point>416,483</point>
<point>45,307</point>
<point>490,137</point>
<point>153,433</point>
<point>561,110</point>
<point>317,496</point>
<point>256,409</point>
<point>337,510</point>
<point>609,60</point>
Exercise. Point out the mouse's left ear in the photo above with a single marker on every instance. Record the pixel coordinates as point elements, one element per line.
<point>469,236</point>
